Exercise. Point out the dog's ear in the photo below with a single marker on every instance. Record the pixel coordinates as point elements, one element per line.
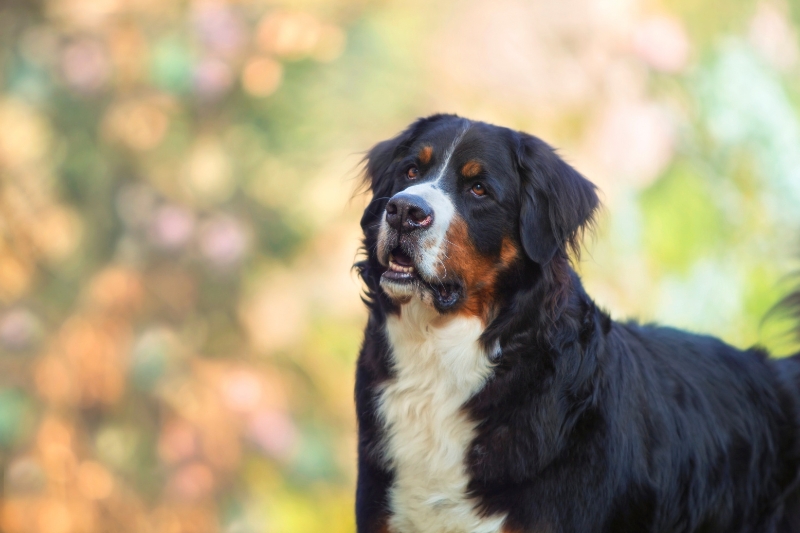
<point>379,162</point>
<point>557,203</point>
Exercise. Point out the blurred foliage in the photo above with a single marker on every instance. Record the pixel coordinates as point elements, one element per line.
<point>178,319</point>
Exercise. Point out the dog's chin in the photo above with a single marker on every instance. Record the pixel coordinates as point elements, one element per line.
<point>402,281</point>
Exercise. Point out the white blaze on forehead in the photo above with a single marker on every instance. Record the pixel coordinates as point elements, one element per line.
<point>449,154</point>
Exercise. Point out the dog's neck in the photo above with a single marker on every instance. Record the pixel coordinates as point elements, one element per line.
<point>423,341</point>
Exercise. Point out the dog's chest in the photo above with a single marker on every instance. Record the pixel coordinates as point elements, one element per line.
<point>438,368</point>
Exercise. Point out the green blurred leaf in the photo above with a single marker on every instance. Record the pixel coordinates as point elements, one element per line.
<point>682,223</point>
<point>15,412</point>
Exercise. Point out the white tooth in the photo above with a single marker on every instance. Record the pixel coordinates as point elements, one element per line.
<point>399,268</point>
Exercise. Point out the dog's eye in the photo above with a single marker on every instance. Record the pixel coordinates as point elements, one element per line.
<point>478,189</point>
<point>412,173</point>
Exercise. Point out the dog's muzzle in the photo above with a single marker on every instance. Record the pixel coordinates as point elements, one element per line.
<point>408,216</point>
<point>411,247</point>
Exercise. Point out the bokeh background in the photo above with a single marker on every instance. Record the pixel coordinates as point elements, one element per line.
<point>178,317</point>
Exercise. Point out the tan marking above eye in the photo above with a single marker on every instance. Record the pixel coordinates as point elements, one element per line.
<point>471,169</point>
<point>425,154</point>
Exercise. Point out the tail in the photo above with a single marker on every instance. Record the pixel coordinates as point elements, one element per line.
<point>791,305</point>
<point>789,366</point>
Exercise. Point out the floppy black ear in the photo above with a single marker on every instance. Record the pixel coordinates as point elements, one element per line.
<point>557,202</point>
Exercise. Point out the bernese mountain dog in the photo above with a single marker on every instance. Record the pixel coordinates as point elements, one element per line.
<point>493,395</point>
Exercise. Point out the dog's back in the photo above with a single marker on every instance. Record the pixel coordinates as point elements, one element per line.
<point>716,429</point>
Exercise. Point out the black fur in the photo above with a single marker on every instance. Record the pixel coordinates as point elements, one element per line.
<point>587,425</point>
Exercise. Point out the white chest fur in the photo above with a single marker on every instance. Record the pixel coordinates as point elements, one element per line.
<point>438,366</point>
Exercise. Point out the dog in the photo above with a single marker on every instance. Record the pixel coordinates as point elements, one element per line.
<point>493,395</point>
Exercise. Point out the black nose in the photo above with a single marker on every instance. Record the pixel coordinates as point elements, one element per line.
<point>407,212</point>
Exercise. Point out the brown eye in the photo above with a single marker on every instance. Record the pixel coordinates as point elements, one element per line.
<point>412,173</point>
<point>478,189</point>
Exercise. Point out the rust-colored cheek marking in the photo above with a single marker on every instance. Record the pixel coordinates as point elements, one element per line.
<point>471,169</point>
<point>478,272</point>
<point>425,154</point>
<point>508,252</point>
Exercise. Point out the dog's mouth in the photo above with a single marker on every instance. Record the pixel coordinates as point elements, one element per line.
<point>401,267</point>
<point>403,271</point>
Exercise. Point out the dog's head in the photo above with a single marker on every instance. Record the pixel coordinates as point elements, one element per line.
<point>457,203</point>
